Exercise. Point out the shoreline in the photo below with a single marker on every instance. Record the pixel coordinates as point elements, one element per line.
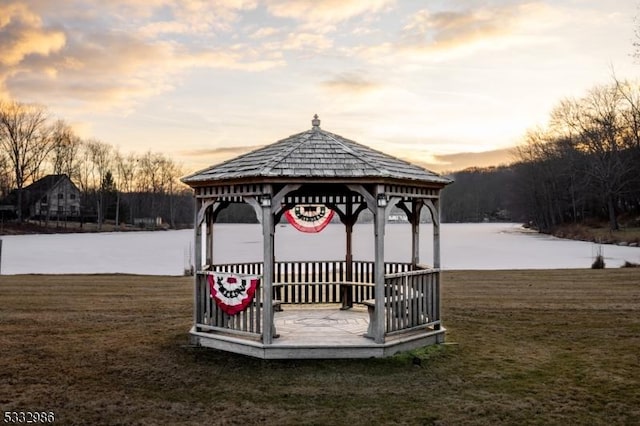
<point>626,236</point>
<point>36,228</point>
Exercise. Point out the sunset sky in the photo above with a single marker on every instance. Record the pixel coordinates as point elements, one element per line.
<point>202,81</point>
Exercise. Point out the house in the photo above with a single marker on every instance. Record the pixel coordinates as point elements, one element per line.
<point>53,196</point>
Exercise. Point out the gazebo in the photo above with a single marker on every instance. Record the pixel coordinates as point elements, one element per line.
<point>369,307</point>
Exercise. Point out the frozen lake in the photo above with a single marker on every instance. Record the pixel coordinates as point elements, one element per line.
<point>464,246</point>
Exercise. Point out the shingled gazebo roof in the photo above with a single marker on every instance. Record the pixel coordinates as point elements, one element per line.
<point>316,154</point>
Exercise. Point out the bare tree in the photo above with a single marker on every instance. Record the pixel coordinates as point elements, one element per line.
<point>539,180</point>
<point>149,175</point>
<point>630,93</point>
<point>84,167</point>
<point>6,182</point>
<point>66,146</point>
<point>601,130</point>
<point>584,160</point>
<point>125,167</point>
<point>157,176</point>
<point>170,173</point>
<point>149,179</point>
<point>25,137</point>
<point>100,156</point>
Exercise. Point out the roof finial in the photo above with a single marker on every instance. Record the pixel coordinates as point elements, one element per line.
<point>315,122</point>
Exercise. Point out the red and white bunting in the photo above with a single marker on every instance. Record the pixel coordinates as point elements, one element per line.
<point>233,293</point>
<point>309,217</point>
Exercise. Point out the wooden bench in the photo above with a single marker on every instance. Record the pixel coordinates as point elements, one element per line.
<point>371,310</point>
<point>277,307</point>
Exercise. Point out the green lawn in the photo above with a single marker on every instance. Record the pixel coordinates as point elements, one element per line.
<point>523,347</point>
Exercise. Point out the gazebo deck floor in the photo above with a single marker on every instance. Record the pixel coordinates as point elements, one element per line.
<point>322,331</point>
<point>322,324</point>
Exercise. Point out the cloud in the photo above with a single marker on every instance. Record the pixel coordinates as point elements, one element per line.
<point>325,11</point>
<point>437,35</point>
<point>22,34</point>
<point>220,151</point>
<point>194,16</point>
<point>118,70</point>
<point>300,41</point>
<point>264,32</point>
<point>205,157</point>
<point>115,54</point>
<point>350,82</point>
<point>465,160</point>
<point>444,30</point>
<point>92,63</point>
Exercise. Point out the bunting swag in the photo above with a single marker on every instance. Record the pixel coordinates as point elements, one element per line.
<point>232,292</point>
<point>309,217</point>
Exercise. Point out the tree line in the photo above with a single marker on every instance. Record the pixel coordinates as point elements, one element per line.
<point>583,165</point>
<point>113,185</point>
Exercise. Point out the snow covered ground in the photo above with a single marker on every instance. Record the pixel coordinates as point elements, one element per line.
<point>464,246</point>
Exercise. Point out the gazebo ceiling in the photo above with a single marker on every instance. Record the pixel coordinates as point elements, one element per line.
<point>315,155</point>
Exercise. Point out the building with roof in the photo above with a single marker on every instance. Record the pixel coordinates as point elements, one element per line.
<point>52,197</point>
<point>385,307</point>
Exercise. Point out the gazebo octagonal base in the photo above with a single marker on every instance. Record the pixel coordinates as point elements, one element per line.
<point>318,350</point>
<point>320,333</point>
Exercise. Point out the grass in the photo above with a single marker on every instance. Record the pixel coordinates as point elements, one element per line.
<point>599,233</point>
<point>524,347</point>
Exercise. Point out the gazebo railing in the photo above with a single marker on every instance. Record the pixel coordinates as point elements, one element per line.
<point>318,282</point>
<point>308,282</point>
<point>300,282</point>
<point>411,300</point>
<point>210,317</point>
<point>323,281</point>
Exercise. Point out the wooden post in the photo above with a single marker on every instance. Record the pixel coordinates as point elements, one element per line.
<point>415,233</point>
<point>209,242</point>
<point>436,233</point>
<point>436,258</point>
<point>0,256</point>
<point>268,230</point>
<point>197,262</point>
<point>380,212</point>
<point>347,295</point>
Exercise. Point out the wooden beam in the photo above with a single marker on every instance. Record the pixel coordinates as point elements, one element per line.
<point>208,250</point>
<point>368,198</point>
<point>277,206</point>
<point>434,209</point>
<point>416,208</point>
<point>276,200</point>
<point>202,209</point>
<point>257,208</point>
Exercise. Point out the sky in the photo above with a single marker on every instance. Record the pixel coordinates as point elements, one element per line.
<point>204,81</point>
